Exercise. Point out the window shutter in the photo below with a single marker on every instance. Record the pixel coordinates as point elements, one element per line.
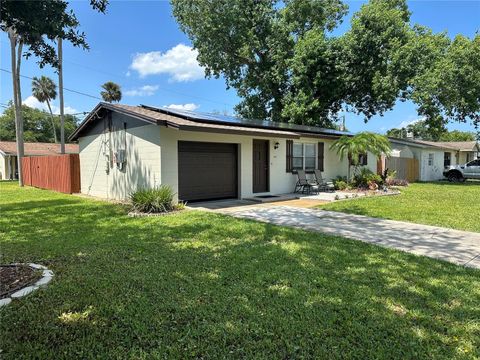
<point>289,155</point>
<point>320,155</point>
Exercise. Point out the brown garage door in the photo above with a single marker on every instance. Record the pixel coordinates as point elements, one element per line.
<point>207,171</point>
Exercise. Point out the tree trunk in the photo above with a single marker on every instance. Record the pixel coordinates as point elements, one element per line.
<point>53,122</point>
<point>349,161</point>
<point>17,103</point>
<point>60,95</point>
<point>19,62</point>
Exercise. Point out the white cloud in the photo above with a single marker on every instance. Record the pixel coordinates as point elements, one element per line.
<point>146,90</point>
<point>180,62</point>
<point>189,106</point>
<point>32,102</point>
<point>128,73</point>
<point>66,110</point>
<point>409,121</point>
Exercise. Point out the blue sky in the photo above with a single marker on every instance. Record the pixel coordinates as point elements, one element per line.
<point>138,44</point>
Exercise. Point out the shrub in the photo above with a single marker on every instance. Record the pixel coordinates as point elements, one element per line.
<point>365,178</point>
<point>340,183</point>
<point>156,200</point>
<point>388,174</point>
<point>391,174</point>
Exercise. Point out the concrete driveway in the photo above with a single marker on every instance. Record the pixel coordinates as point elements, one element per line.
<point>458,247</point>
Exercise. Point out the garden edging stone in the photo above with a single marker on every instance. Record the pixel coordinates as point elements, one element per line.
<point>47,276</point>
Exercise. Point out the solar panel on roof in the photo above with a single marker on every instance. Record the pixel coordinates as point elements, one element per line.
<point>226,119</point>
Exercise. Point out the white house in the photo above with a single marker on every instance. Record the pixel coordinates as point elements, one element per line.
<point>201,156</point>
<point>432,156</point>
<point>465,151</point>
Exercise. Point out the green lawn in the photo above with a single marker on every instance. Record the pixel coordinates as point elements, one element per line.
<point>200,285</point>
<point>444,204</point>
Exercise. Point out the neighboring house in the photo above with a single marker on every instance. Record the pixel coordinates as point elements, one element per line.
<point>433,157</point>
<point>465,151</point>
<point>8,155</point>
<point>201,156</point>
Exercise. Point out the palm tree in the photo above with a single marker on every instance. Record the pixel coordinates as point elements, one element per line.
<point>112,92</point>
<point>45,90</point>
<point>352,147</point>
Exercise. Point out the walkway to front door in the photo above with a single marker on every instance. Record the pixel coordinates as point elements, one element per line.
<point>459,247</point>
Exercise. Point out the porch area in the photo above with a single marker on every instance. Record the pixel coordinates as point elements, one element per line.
<point>289,199</point>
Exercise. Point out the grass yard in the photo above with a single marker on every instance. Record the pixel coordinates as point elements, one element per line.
<point>455,206</point>
<point>201,285</point>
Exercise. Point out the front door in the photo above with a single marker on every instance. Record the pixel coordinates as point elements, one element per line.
<point>261,165</point>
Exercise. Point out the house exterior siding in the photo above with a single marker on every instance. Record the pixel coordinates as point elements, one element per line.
<point>402,151</point>
<point>431,169</point>
<point>143,161</point>
<point>8,167</point>
<point>428,170</point>
<point>466,156</point>
<point>280,181</point>
<point>3,167</point>
<point>462,157</point>
<point>152,158</point>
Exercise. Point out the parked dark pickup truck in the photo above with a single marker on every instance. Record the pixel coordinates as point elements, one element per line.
<point>456,173</point>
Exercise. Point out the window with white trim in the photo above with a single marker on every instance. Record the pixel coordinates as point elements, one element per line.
<point>304,156</point>
<point>430,159</point>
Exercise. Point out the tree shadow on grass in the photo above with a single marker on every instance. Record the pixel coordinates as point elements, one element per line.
<point>212,286</point>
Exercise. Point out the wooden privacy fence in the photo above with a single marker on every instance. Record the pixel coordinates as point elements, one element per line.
<point>406,168</point>
<point>59,172</point>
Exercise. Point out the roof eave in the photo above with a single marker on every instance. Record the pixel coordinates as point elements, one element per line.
<point>413,143</point>
<point>239,132</point>
<point>84,123</point>
<point>322,136</point>
<point>110,107</point>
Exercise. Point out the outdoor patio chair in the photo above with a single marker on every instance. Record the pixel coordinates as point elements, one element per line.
<point>322,184</point>
<point>303,185</point>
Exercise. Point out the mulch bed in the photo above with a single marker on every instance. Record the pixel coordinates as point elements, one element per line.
<point>16,277</point>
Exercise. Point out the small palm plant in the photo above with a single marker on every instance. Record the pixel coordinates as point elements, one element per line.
<point>156,200</point>
<point>351,147</point>
<point>112,92</point>
<point>45,90</point>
